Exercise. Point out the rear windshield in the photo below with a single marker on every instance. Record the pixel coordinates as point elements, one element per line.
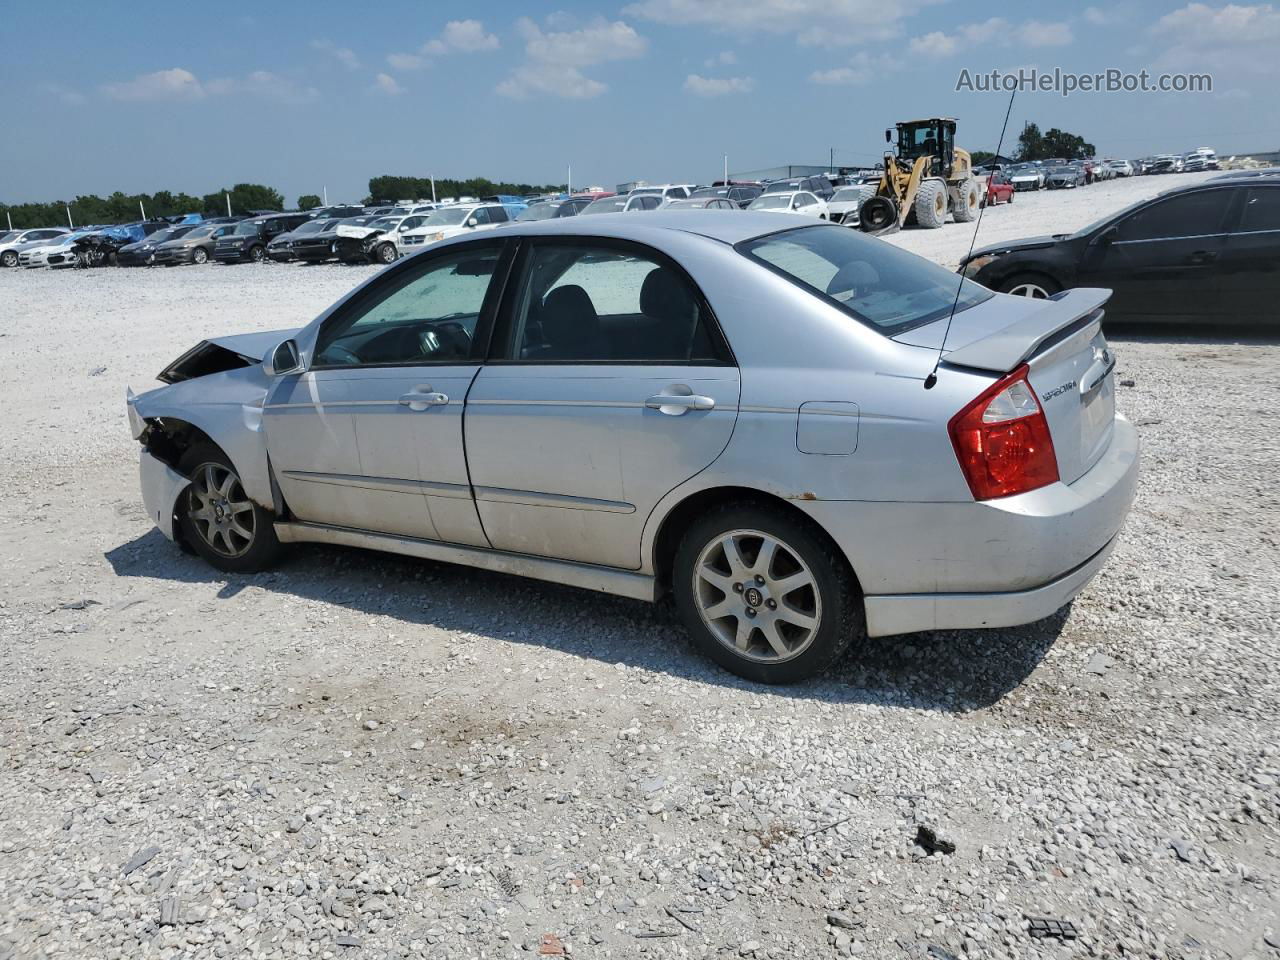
<point>873,281</point>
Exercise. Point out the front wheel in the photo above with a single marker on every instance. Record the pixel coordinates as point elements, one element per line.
<point>386,253</point>
<point>765,595</point>
<point>1032,285</point>
<point>257,254</point>
<point>200,255</point>
<point>9,258</point>
<point>218,519</point>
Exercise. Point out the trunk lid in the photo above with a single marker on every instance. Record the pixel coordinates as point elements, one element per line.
<point>1070,365</point>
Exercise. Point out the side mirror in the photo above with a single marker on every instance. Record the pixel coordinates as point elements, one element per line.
<point>283,359</point>
<point>888,136</point>
<point>472,222</point>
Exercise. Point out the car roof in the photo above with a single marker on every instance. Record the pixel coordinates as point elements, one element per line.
<point>726,226</point>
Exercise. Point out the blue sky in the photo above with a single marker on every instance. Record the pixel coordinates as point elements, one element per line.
<point>297,95</point>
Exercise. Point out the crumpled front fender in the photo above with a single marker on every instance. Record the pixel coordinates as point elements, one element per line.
<point>161,487</point>
<point>226,406</point>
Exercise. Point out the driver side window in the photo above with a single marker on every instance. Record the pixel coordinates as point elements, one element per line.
<point>428,315</point>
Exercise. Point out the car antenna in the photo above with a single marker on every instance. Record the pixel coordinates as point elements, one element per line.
<point>932,378</point>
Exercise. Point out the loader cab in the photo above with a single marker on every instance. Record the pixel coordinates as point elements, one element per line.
<point>935,138</point>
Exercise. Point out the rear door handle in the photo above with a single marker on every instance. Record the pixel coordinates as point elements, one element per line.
<point>421,401</point>
<point>1202,256</point>
<point>675,404</point>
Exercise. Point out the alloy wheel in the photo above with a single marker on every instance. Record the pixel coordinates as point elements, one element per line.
<point>220,511</point>
<point>1032,290</point>
<point>757,596</point>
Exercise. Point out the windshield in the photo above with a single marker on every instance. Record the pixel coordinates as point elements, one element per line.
<point>875,282</point>
<point>447,218</point>
<point>385,223</point>
<point>539,211</point>
<point>782,186</point>
<point>849,193</point>
<point>605,205</point>
<point>202,231</point>
<point>311,226</point>
<point>1066,170</point>
<point>639,190</point>
<point>708,192</point>
<point>676,204</point>
<point>779,201</point>
<point>173,233</point>
<point>248,228</point>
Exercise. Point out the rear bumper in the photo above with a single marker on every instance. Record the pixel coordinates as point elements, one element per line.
<point>161,487</point>
<point>925,566</point>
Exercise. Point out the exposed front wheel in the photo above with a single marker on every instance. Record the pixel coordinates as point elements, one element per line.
<point>257,254</point>
<point>765,595</point>
<point>1031,285</point>
<point>9,258</point>
<point>218,519</point>
<point>386,253</point>
<point>200,255</point>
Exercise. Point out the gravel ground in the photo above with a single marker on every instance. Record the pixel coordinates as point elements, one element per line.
<point>362,756</point>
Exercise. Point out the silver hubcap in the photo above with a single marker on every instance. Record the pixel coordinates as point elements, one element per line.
<point>220,511</point>
<point>1034,291</point>
<point>757,596</point>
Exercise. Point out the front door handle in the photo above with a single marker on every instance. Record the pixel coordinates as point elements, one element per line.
<point>420,401</point>
<point>675,404</point>
<point>1202,256</point>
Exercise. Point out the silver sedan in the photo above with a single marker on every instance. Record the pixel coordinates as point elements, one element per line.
<point>738,410</point>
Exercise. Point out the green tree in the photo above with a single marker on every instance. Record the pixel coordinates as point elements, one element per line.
<point>1030,143</point>
<point>392,188</point>
<point>1033,145</point>
<point>980,157</point>
<point>245,197</point>
<point>309,201</point>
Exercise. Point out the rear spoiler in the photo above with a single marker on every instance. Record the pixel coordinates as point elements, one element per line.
<point>1005,349</point>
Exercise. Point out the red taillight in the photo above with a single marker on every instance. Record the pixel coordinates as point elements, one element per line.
<point>1002,440</point>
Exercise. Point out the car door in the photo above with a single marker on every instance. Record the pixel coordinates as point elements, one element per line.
<point>1251,259</point>
<point>1163,261</point>
<point>370,436</point>
<point>608,386</point>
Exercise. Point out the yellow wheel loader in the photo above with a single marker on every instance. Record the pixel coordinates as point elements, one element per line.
<point>926,177</point>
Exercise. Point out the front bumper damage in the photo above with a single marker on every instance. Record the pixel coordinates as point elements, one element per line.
<point>161,488</point>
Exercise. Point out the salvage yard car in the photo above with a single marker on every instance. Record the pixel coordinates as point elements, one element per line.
<point>10,241</point>
<point>1207,253</point>
<point>637,421</point>
<point>453,221</point>
<point>248,242</point>
<point>193,247</point>
<point>802,202</point>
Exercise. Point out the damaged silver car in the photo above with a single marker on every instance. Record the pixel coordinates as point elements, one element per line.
<point>742,413</point>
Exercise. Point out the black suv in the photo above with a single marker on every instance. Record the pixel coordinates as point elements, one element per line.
<point>818,185</point>
<point>250,238</point>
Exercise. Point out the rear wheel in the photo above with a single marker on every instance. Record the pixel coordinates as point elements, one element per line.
<point>968,198</point>
<point>765,595</point>
<point>931,204</point>
<point>217,517</point>
<point>1033,285</point>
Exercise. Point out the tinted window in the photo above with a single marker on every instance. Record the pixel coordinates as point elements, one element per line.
<point>584,303</point>
<point>1185,215</point>
<point>875,282</point>
<point>1261,210</point>
<point>498,215</point>
<point>421,316</point>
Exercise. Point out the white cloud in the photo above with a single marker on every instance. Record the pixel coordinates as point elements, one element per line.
<point>996,31</point>
<point>343,55</point>
<point>406,61</point>
<point>1230,38</point>
<point>825,23</point>
<point>556,58</point>
<point>172,84</point>
<point>725,58</point>
<point>862,69</point>
<point>717,86</point>
<point>265,85</point>
<point>462,36</point>
<point>385,83</point>
<point>1035,33</point>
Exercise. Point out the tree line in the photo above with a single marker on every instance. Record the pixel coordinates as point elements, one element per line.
<point>1034,145</point>
<point>389,188</point>
<point>124,207</point>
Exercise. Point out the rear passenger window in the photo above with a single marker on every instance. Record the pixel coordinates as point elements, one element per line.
<point>1182,215</point>
<point>498,215</point>
<point>591,304</point>
<point>1261,210</point>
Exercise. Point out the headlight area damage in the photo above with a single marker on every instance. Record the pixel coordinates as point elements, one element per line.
<point>214,394</point>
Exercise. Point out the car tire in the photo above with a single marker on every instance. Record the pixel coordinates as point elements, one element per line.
<point>877,213</point>
<point>387,253</point>
<point>807,609</point>
<point>931,204</point>
<point>200,255</point>
<point>211,514</point>
<point>1037,286</point>
<point>9,258</point>
<point>257,254</point>
<point>968,198</point>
